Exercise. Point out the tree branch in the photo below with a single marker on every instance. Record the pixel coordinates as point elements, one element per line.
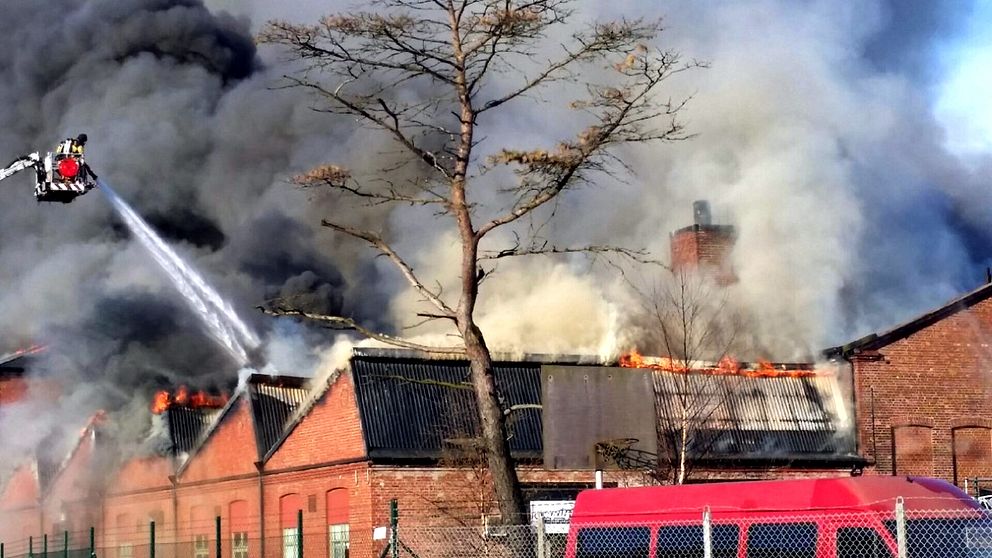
<point>384,248</point>
<point>343,323</point>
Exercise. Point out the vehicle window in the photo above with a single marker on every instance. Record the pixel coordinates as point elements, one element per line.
<point>781,540</point>
<point>687,541</point>
<point>613,542</point>
<point>946,538</point>
<point>861,542</point>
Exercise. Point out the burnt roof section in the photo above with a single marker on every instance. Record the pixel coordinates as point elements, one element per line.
<point>875,341</point>
<point>411,408</point>
<point>742,418</point>
<point>274,400</point>
<point>15,363</point>
<point>186,425</point>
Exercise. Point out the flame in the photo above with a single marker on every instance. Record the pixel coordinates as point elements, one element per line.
<point>182,397</point>
<point>727,366</point>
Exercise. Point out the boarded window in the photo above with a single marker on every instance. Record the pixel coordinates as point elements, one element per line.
<point>913,451</point>
<point>238,514</point>
<point>972,453</point>
<point>289,507</point>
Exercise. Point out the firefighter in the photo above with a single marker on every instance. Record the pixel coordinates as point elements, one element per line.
<point>76,150</point>
<point>78,144</point>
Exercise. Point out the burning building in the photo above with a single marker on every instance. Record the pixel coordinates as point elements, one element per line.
<point>402,425</point>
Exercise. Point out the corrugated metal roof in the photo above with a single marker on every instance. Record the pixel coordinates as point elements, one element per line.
<point>186,425</point>
<point>751,417</point>
<point>274,399</point>
<point>410,406</point>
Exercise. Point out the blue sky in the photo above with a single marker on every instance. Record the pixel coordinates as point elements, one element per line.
<point>964,102</point>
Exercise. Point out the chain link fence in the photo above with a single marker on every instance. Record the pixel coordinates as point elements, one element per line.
<point>721,534</point>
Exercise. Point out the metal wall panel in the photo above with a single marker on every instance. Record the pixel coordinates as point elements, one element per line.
<point>584,405</point>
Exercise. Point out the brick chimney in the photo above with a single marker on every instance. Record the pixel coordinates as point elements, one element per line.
<point>704,246</point>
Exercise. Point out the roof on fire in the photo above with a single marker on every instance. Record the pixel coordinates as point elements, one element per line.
<point>412,406</point>
<point>273,401</point>
<point>878,340</point>
<point>763,418</point>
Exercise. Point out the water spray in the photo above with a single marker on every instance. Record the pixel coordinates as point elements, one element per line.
<point>219,317</point>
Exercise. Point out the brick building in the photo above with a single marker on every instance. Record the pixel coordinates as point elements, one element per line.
<point>923,392</point>
<point>395,424</point>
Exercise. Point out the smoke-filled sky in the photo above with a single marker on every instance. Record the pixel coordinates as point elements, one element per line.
<point>849,144</point>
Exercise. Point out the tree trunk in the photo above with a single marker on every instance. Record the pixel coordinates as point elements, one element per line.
<point>493,425</point>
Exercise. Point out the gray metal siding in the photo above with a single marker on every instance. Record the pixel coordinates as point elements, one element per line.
<point>409,407</point>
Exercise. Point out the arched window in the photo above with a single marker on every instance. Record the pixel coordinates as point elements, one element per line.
<point>972,452</point>
<point>338,532</point>
<point>913,451</point>
<point>289,506</point>
<point>238,520</point>
<point>200,526</point>
<point>124,527</point>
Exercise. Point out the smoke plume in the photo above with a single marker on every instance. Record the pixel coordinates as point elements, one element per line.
<point>815,138</point>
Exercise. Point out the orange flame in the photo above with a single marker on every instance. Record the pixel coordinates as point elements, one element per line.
<point>182,397</point>
<point>727,366</point>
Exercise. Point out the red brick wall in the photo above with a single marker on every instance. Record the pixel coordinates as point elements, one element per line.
<point>936,378</point>
<point>142,473</point>
<point>229,451</point>
<point>312,487</point>
<point>972,452</point>
<point>336,412</point>
<point>20,512</point>
<point>912,447</point>
<point>701,247</point>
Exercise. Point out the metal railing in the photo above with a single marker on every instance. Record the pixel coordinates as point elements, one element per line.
<point>895,533</point>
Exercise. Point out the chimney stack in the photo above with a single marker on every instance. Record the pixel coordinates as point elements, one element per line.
<point>704,246</point>
<point>701,213</point>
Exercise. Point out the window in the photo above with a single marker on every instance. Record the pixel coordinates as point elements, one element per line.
<point>125,550</point>
<point>860,542</point>
<point>614,542</point>
<point>201,546</point>
<point>239,545</point>
<point>338,541</point>
<point>946,538</point>
<point>289,549</point>
<point>687,541</point>
<point>781,540</point>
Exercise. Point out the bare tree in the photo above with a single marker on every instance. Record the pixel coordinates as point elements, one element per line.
<point>696,329</point>
<point>469,63</point>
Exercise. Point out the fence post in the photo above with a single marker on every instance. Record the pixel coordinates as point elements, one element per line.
<point>65,544</point>
<point>92,542</point>
<point>151,539</point>
<point>217,534</point>
<point>1,550</point>
<point>540,535</point>
<point>707,533</point>
<point>394,521</point>
<point>900,527</point>
<point>44,546</point>
<point>30,545</point>
<point>299,533</point>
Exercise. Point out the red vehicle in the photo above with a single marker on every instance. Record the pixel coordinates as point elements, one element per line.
<point>853,517</point>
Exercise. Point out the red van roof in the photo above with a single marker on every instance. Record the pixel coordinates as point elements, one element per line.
<point>870,493</point>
